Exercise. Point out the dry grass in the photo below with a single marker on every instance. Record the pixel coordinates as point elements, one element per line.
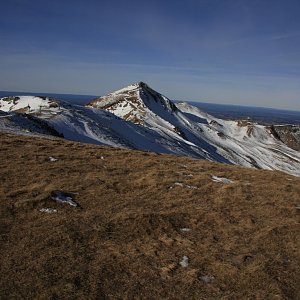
<point>125,241</point>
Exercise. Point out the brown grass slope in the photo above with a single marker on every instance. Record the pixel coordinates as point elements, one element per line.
<point>126,242</point>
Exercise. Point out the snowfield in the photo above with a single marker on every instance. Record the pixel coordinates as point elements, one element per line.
<point>137,117</point>
<point>27,104</point>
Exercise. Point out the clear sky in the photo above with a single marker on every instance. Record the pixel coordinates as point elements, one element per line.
<point>220,51</point>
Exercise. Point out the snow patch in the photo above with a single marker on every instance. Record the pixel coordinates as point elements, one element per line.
<point>6,116</point>
<point>184,186</point>
<point>221,180</point>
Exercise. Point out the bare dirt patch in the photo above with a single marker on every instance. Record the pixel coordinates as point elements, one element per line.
<point>131,232</point>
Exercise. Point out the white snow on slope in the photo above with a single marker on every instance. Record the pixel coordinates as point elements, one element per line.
<point>89,125</point>
<point>137,117</point>
<point>245,143</point>
<point>237,142</point>
<point>27,103</point>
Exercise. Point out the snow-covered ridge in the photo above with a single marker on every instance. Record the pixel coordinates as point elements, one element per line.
<point>134,102</point>
<point>238,142</point>
<point>27,103</point>
<point>138,117</point>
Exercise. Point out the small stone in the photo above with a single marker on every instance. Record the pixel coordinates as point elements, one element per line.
<point>63,197</point>
<point>184,262</point>
<point>185,229</point>
<point>207,278</point>
<point>221,180</point>
<point>48,210</point>
<point>52,159</point>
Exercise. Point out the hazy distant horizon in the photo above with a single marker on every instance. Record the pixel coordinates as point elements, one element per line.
<point>236,52</point>
<point>79,99</point>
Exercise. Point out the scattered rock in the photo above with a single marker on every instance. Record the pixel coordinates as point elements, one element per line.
<point>207,278</point>
<point>183,185</point>
<point>185,229</point>
<point>221,180</point>
<point>48,210</point>
<point>247,258</point>
<point>184,262</point>
<point>52,158</point>
<point>185,174</point>
<point>183,166</point>
<point>64,197</point>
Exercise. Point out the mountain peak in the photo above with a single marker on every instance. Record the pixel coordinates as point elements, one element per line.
<point>134,86</point>
<point>134,102</point>
<point>141,84</point>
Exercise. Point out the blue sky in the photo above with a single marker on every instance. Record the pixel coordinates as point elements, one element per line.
<point>220,51</point>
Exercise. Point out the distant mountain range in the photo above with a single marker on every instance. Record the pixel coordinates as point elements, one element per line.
<point>261,115</point>
<point>138,117</point>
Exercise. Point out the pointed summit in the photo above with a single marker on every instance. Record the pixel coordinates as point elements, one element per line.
<point>134,102</point>
<point>142,84</point>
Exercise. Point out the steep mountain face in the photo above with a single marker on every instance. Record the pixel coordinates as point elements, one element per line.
<point>289,134</point>
<point>136,103</point>
<point>141,105</point>
<point>85,124</point>
<point>238,142</point>
<point>25,124</point>
<point>138,117</point>
<point>244,142</point>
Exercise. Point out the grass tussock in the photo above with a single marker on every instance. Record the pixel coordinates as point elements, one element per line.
<point>134,225</point>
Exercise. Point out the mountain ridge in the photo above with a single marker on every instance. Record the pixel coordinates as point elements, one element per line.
<point>182,126</point>
<point>133,102</point>
<point>138,117</point>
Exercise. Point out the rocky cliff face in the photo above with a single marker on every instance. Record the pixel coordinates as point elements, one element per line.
<point>290,135</point>
<point>134,102</point>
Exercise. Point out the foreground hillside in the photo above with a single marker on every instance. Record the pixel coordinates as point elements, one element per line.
<point>142,225</point>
